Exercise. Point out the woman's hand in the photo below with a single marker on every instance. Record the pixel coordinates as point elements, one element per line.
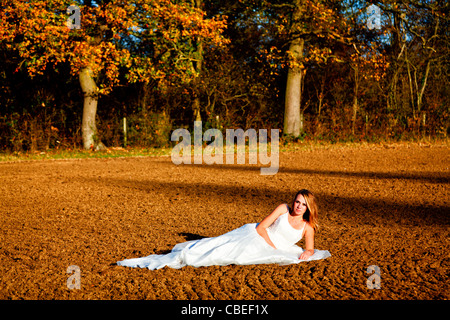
<point>306,254</point>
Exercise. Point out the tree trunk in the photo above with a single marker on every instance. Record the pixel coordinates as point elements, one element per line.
<point>321,96</point>
<point>411,88</point>
<point>355,98</point>
<point>293,124</point>
<point>196,108</point>
<point>422,90</point>
<point>198,69</point>
<point>292,114</point>
<point>88,126</point>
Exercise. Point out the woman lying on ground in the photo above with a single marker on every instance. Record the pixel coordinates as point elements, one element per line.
<point>271,241</point>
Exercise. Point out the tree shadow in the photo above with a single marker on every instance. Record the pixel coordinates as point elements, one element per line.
<point>429,176</point>
<point>344,209</point>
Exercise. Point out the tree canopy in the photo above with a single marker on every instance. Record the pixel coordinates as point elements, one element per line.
<point>310,68</point>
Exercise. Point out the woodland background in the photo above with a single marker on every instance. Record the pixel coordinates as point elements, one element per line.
<point>313,69</point>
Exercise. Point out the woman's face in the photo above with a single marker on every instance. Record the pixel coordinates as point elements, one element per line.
<point>300,205</point>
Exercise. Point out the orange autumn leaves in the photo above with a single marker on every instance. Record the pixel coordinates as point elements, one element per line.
<point>38,33</point>
<point>328,28</point>
<point>33,33</point>
<point>174,31</point>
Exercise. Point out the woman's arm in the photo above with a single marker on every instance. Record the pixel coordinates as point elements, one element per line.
<point>267,221</point>
<point>309,243</point>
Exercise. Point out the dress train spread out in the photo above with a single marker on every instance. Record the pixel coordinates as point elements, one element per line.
<point>241,246</point>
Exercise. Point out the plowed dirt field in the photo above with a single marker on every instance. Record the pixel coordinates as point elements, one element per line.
<point>386,206</point>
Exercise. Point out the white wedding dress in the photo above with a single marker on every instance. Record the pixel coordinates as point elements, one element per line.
<point>242,246</point>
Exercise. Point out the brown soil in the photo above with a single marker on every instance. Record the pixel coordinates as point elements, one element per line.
<point>383,206</point>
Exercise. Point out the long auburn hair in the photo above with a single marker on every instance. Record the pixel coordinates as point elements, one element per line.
<point>312,213</point>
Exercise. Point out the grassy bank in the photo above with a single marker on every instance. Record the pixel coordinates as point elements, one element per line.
<point>284,146</point>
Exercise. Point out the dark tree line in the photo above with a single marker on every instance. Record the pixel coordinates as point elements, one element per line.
<point>313,69</point>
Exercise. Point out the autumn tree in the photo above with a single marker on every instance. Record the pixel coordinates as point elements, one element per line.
<point>364,56</point>
<point>141,40</point>
<point>237,84</point>
<point>418,33</point>
<point>309,28</point>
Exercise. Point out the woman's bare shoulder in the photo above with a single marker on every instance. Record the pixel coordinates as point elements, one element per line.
<point>267,221</point>
<point>309,228</point>
<point>281,209</point>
